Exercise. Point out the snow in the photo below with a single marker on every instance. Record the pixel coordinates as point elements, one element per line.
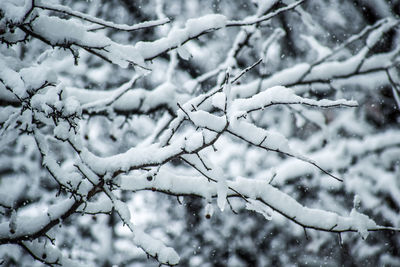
<point>168,181</point>
<point>56,211</point>
<point>77,33</point>
<point>334,156</point>
<point>9,117</point>
<point>334,17</point>
<point>71,106</point>
<point>373,142</point>
<point>14,10</point>
<point>194,141</point>
<point>264,6</point>
<point>51,253</point>
<point>12,80</point>
<point>322,51</point>
<point>26,225</point>
<point>35,77</point>
<point>62,130</point>
<point>271,50</point>
<point>183,53</point>
<point>209,210</point>
<point>122,210</point>
<point>204,119</point>
<point>156,248</point>
<point>313,26</point>
<point>334,69</point>
<point>73,31</point>
<point>287,206</point>
<point>10,194</point>
<point>376,35</point>
<point>134,158</point>
<point>283,95</point>
<point>362,223</point>
<point>218,101</point>
<point>213,133</point>
<point>177,37</point>
<point>287,76</point>
<point>103,205</point>
<point>137,99</point>
<point>379,61</point>
<point>257,206</point>
<point>258,136</point>
<point>256,191</point>
<point>164,93</point>
<point>101,22</point>
<point>222,190</point>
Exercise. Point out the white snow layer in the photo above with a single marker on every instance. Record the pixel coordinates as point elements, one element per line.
<point>283,95</point>
<point>252,189</point>
<point>177,37</point>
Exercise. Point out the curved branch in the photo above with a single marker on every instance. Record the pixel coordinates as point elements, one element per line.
<point>261,190</point>
<point>105,24</point>
<point>269,16</point>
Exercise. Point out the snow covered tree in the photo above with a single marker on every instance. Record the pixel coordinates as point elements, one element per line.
<point>201,132</point>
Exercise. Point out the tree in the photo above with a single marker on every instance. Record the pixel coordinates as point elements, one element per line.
<point>275,107</point>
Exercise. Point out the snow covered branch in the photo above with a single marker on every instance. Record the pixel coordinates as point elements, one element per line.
<point>169,183</point>
<point>103,23</point>
<point>249,106</point>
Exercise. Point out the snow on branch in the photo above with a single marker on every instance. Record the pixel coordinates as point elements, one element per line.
<point>252,21</point>
<point>47,253</point>
<point>28,228</point>
<point>279,95</point>
<point>177,37</point>
<point>278,201</point>
<point>153,247</point>
<point>270,141</point>
<point>86,152</point>
<point>47,29</point>
<point>103,23</point>
<point>373,31</point>
<point>351,70</point>
<point>337,156</point>
<point>127,100</point>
